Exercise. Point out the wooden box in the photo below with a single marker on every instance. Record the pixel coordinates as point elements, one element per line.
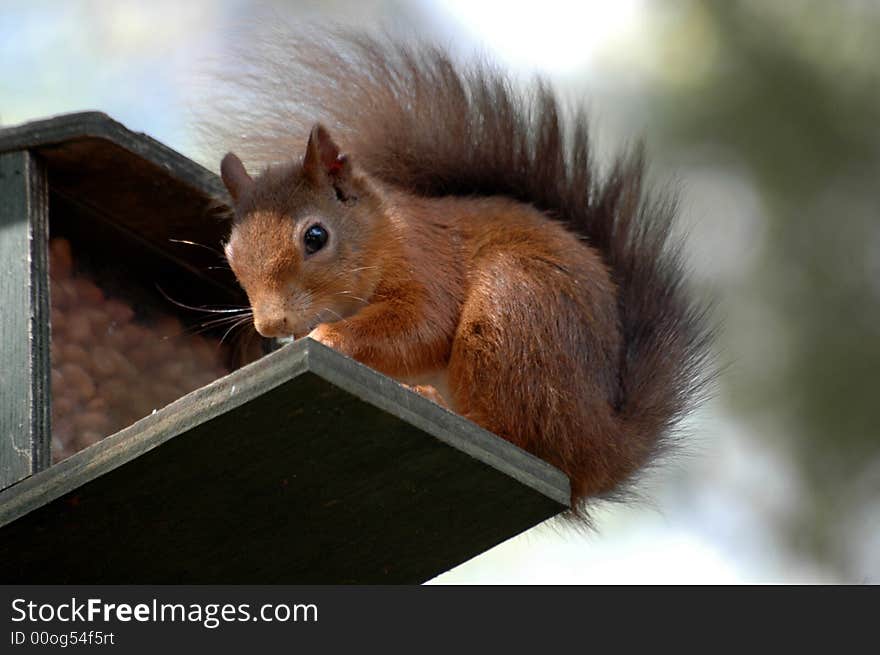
<point>299,466</point>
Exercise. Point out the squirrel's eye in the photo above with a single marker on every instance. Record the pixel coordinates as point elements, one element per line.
<point>315,238</point>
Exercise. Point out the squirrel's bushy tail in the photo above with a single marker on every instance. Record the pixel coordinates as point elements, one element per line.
<point>414,118</point>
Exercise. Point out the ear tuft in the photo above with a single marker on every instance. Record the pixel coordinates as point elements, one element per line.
<point>234,176</point>
<point>322,157</point>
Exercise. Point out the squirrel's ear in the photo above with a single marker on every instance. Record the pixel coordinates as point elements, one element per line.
<point>235,177</point>
<point>324,162</point>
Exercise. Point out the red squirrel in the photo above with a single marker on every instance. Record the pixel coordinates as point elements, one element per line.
<point>450,231</point>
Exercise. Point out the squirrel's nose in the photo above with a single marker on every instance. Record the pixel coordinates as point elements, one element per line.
<point>272,326</point>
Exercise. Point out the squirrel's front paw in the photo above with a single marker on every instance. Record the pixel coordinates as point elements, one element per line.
<point>428,392</point>
<point>325,334</point>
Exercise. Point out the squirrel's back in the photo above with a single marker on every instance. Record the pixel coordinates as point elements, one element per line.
<point>417,121</point>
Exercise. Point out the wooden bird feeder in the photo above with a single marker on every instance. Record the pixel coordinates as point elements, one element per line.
<point>136,451</point>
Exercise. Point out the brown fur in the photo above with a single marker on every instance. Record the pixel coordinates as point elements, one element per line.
<point>472,250</point>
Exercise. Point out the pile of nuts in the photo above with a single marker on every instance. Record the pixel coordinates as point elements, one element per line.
<point>109,367</point>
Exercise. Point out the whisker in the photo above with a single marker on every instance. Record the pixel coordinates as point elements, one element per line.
<point>327,309</point>
<point>351,295</point>
<point>201,309</point>
<point>224,320</point>
<point>198,245</point>
<point>234,325</point>
<point>209,326</point>
<point>340,274</point>
<point>195,331</point>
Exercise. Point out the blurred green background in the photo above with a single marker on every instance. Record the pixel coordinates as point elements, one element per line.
<point>765,114</point>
